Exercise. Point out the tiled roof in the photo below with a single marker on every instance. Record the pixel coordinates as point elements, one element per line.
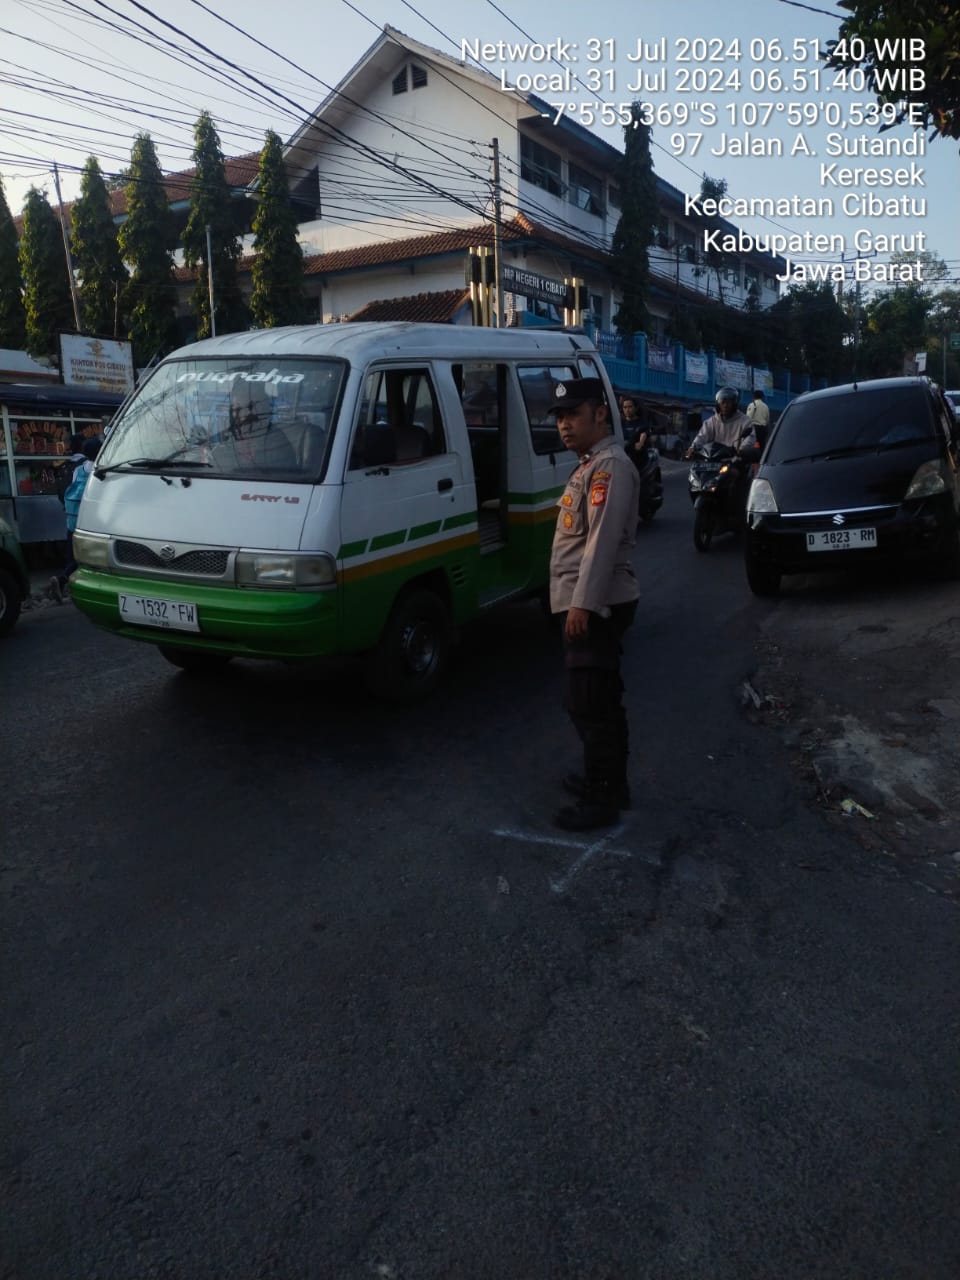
<point>460,239</point>
<point>425,308</point>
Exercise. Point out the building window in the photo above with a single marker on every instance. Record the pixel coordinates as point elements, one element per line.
<point>614,197</point>
<point>585,191</point>
<point>400,81</point>
<point>540,166</point>
<point>418,76</point>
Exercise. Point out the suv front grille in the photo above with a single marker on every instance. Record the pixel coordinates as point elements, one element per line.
<point>851,519</point>
<point>204,563</point>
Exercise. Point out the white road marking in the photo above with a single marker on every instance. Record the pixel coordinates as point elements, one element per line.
<point>587,851</point>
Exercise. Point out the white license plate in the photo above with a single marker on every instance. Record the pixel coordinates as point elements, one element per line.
<point>146,611</point>
<point>841,539</point>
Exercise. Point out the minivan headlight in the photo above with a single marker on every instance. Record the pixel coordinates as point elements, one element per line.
<point>760,500</point>
<point>92,550</point>
<point>927,480</point>
<point>284,570</point>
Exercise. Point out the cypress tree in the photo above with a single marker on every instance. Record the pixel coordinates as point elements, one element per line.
<point>96,254</point>
<point>278,296</point>
<point>146,239</point>
<point>211,206</point>
<point>46,285</point>
<point>637,226</point>
<point>13,317</point>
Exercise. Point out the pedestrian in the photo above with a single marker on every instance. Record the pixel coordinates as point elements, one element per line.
<point>594,589</point>
<point>759,414</point>
<point>71,502</point>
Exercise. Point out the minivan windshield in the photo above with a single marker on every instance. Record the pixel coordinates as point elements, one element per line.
<point>868,420</point>
<point>237,418</point>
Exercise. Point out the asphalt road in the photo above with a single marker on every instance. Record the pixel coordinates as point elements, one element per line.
<point>298,985</point>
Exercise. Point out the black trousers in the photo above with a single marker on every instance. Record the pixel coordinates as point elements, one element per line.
<point>593,696</point>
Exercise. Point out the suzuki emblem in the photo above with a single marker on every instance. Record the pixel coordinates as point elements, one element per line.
<point>168,552</point>
<point>838,518</point>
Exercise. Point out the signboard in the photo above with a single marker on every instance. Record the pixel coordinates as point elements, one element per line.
<point>732,373</point>
<point>955,342</point>
<point>660,358</point>
<point>697,367</point>
<point>104,363</point>
<point>531,285</point>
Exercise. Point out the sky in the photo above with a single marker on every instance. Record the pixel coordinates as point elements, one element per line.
<point>81,77</point>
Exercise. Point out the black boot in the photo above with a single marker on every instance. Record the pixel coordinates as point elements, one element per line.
<point>599,806</point>
<point>577,785</point>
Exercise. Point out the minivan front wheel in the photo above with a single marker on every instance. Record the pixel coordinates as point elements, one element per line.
<point>949,561</point>
<point>196,662</point>
<point>762,579</point>
<point>413,650</point>
<point>10,602</point>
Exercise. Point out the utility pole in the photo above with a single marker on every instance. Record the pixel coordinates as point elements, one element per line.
<point>213,314</point>
<point>497,234</point>
<point>66,250</point>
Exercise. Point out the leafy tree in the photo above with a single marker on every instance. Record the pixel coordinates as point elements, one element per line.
<point>943,319</point>
<point>278,296</point>
<point>716,259</point>
<point>637,226</point>
<point>96,254</point>
<point>813,330</point>
<point>937,23</point>
<point>46,284</point>
<point>211,207</point>
<point>894,327</point>
<point>146,240</point>
<point>13,317</point>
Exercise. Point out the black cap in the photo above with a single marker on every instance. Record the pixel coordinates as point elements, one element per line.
<point>570,394</point>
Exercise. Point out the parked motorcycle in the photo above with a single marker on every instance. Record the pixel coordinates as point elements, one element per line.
<point>651,485</point>
<point>717,482</point>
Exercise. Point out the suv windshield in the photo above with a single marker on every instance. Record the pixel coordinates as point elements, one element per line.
<point>239,417</point>
<point>868,420</point>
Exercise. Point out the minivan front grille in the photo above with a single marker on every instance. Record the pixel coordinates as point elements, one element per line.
<point>200,561</point>
<point>852,517</point>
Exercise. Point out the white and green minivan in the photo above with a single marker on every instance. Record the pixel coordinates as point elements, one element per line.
<point>385,483</point>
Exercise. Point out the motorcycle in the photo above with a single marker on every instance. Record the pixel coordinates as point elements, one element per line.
<point>651,485</point>
<point>717,483</point>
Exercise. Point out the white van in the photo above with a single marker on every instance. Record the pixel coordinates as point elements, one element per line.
<point>378,485</point>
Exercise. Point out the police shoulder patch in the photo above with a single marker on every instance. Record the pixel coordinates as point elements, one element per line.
<point>598,495</point>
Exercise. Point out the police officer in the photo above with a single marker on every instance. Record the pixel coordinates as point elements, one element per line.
<point>593,587</point>
<point>759,415</point>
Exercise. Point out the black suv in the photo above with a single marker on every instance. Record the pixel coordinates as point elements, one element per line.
<point>856,475</point>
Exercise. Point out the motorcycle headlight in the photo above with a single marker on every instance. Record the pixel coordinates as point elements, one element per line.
<point>284,571</point>
<point>92,550</point>
<point>761,500</point>
<point>927,480</point>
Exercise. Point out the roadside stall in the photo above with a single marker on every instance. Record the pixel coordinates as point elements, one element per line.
<point>35,469</point>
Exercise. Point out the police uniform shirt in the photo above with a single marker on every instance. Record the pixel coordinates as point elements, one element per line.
<point>724,430</point>
<point>590,565</point>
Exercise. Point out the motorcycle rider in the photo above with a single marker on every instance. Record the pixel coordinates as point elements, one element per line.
<point>727,426</point>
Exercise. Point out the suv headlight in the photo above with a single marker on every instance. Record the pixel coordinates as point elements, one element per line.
<point>760,500</point>
<point>927,480</point>
<point>285,570</point>
<point>92,550</point>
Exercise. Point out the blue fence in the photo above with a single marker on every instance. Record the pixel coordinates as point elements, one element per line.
<point>633,365</point>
